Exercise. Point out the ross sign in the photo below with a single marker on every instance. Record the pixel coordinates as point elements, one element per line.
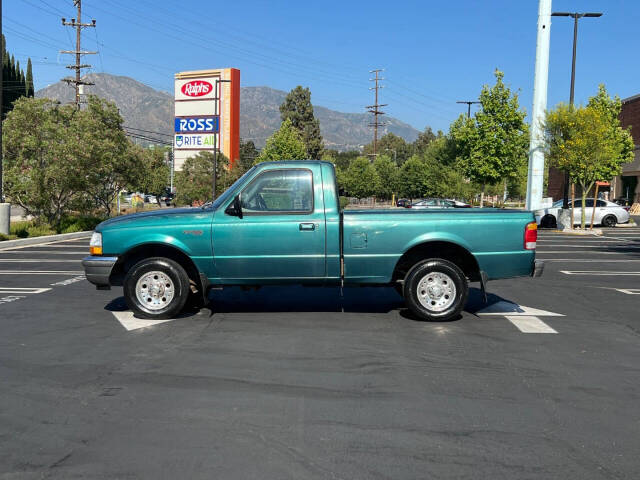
<point>207,113</point>
<point>197,124</point>
<point>195,142</point>
<point>197,88</point>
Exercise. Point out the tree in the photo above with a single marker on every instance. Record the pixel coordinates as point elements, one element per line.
<point>194,181</point>
<point>29,79</point>
<point>298,109</point>
<point>387,173</point>
<point>42,172</point>
<point>413,178</point>
<point>284,144</point>
<point>14,83</point>
<point>361,179</point>
<point>392,145</point>
<point>588,143</point>
<point>155,172</point>
<point>493,145</point>
<point>248,155</point>
<point>424,140</point>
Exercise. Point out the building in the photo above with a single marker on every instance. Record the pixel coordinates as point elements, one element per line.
<point>627,185</point>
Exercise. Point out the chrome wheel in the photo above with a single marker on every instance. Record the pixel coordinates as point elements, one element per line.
<point>155,290</point>
<point>436,291</point>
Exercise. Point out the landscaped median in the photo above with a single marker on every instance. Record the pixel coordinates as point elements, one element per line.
<point>29,229</point>
<point>23,242</point>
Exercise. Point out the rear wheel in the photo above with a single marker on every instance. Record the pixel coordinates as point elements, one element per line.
<point>548,221</point>
<point>436,290</point>
<point>156,288</point>
<point>609,221</point>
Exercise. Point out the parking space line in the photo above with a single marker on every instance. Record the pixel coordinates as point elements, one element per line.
<point>48,252</point>
<point>547,252</point>
<point>37,260</point>
<point>629,291</point>
<point>530,324</point>
<point>40,272</point>
<point>20,290</point>
<point>598,273</point>
<point>585,260</point>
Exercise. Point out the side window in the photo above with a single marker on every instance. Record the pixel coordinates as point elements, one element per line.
<point>601,203</point>
<point>577,204</point>
<point>589,202</point>
<point>279,191</point>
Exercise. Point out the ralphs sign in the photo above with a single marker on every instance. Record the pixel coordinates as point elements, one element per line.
<point>208,124</point>
<point>197,88</point>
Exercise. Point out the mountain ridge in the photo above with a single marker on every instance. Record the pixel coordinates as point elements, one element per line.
<point>146,108</point>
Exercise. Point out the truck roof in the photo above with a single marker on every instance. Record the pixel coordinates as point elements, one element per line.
<point>290,163</point>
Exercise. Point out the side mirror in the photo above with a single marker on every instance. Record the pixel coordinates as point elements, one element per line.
<point>235,207</point>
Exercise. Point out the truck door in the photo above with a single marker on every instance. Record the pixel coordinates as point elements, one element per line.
<point>282,232</point>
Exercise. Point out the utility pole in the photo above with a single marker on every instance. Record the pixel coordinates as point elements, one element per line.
<point>576,16</point>
<point>375,110</point>
<point>535,177</point>
<point>78,25</point>
<point>216,135</point>
<point>468,103</point>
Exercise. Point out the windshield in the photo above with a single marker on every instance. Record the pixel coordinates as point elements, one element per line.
<point>227,193</point>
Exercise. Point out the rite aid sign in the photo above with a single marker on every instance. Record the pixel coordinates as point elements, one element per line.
<point>195,142</point>
<point>208,124</point>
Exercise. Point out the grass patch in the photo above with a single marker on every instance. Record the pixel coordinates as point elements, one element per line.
<point>69,224</point>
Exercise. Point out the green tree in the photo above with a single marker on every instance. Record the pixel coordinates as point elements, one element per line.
<point>42,171</point>
<point>393,145</point>
<point>284,144</point>
<point>194,181</point>
<point>492,145</point>
<point>387,173</point>
<point>154,178</point>
<point>248,155</point>
<point>298,109</point>
<point>413,178</point>
<point>29,79</point>
<point>361,179</point>
<point>14,83</point>
<point>423,141</point>
<point>588,143</point>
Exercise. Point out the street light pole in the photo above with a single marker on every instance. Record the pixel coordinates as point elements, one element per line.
<point>576,16</point>
<point>395,159</point>
<point>216,135</point>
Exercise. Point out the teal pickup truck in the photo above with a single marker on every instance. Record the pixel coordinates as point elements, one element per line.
<point>281,223</point>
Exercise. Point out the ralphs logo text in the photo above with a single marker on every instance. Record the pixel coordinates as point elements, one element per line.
<point>197,124</point>
<point>196,88</point>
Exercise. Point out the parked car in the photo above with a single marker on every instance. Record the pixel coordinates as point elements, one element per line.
<point>608,214</point>
<point>403,202</point>
<point>459,204</point>
<point>280,223</point>
<point>432,203</point>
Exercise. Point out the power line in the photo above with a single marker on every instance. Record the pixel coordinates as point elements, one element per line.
<point>78,25</point>
<point>375,110</point>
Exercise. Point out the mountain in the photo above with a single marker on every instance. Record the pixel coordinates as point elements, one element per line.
<point>145,108</point>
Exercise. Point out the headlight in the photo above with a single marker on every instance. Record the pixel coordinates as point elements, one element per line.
<point>95,245</point>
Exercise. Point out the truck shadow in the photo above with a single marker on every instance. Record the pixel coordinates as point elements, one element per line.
<point>311,299</point>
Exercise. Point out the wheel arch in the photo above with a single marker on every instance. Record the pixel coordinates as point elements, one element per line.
<point>148,250</point>
<point>444,249</point>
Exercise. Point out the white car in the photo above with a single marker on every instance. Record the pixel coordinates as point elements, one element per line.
<point>608,214</point>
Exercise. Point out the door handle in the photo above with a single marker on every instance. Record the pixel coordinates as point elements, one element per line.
<point>304,227</point>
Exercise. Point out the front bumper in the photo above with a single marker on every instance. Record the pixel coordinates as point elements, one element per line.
<point>98,270</point>
<point>538,268</point>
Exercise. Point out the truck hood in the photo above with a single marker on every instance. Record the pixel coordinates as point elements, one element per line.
<point>155,217</point>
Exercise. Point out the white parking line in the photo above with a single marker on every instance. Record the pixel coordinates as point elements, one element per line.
<point>36,260</point>
<point>547,252</point>
<point>629,291</point>
<point>584,260</point>
<point>48,252</point>
<point>598,273</point>
<point>40,272</point>
<point>19,290</point>
<point>528,324</point>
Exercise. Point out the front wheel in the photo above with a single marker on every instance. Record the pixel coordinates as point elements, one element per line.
<point>609,221</point>
<point>156,288</point>
<point>436,290</point>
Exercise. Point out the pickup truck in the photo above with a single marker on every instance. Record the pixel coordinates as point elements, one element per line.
<point>281,223</point>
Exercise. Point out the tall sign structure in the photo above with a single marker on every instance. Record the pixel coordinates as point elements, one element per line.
<point>535,178</point>
<point>78,66</point>
<point>207,114</point>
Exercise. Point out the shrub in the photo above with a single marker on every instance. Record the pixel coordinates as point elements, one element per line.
<point>71,224</point>
<point>20,229</point>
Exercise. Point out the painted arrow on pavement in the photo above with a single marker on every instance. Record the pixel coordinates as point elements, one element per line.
<point>524,318</point>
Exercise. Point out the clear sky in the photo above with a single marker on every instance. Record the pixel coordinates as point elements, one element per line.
<point>433,52</point>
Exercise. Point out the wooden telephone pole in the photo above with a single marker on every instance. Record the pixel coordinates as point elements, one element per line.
<point>78,25</point>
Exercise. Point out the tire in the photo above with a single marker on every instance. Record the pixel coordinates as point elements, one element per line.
<point>156,288</point>
<point>548,221</point>
<point>399,287</point>
<point>609,221</point>
<point>430,302</point>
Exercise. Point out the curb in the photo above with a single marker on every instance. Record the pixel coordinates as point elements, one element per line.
<point>23,242</point>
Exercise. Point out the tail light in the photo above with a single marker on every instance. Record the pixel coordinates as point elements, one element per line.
<point>530,236</point>
<point>408,206</point>
<point>627,208</point>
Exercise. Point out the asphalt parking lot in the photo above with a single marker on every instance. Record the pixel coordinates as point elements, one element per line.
<point>303,383</point>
